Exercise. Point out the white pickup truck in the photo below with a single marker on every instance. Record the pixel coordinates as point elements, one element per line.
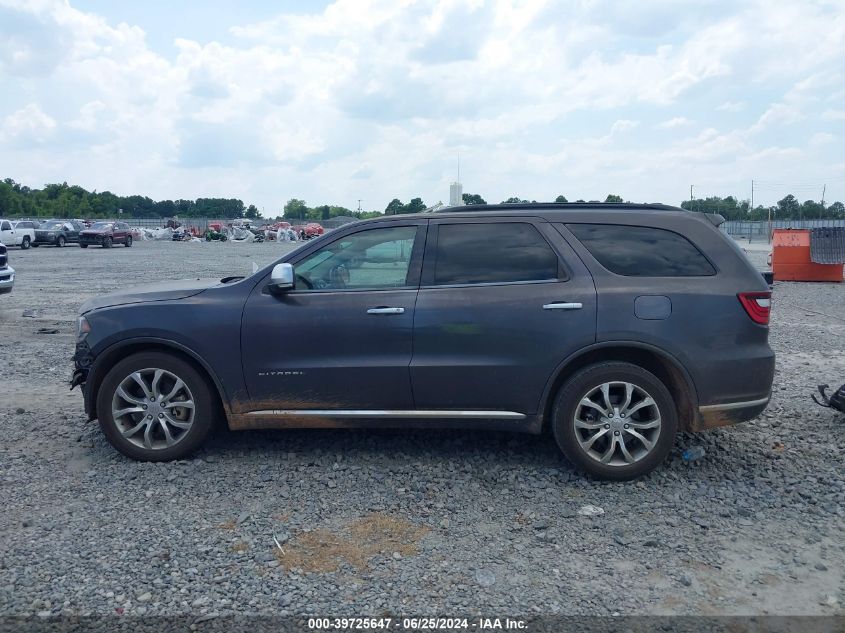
<point>7,273</point>
<point>17,233</point>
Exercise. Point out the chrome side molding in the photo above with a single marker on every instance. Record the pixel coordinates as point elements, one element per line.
<point>396,413</point>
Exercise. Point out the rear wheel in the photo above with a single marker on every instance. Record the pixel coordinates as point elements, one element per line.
<point>615,420</point>
<point>128,241</point>
<point>25,243</point>
<point>154,406</point>
<point>60,241</point>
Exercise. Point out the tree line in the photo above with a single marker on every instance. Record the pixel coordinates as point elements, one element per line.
<point>72,201</point>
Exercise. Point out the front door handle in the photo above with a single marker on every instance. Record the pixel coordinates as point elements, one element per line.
<point>561,305</point>
<point>383,310</point>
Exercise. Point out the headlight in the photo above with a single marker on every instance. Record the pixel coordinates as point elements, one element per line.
<point>51,234</point>
<point>82,328</point>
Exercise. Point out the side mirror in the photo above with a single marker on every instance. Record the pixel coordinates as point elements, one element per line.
<point>281,279</point>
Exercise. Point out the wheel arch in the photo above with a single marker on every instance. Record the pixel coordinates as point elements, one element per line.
<point>659,362</point>
<point>113,354</point>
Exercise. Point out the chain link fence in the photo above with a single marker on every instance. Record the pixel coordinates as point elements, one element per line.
<point>762,231</point>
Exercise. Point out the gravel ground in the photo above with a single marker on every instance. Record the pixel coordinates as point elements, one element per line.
<point>375,522</point>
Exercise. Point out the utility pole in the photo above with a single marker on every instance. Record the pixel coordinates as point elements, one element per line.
<point>752,195</point>
<point>824,189</point>
<point>690,194</point>
<point>359,205</point>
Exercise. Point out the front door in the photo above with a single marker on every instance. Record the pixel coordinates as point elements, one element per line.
<point>503,301</point>
<point>342,338</point>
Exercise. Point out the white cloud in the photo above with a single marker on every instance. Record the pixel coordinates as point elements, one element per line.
<point>374,98</point>
<point>28,124</point>
<point>731,106</point>
<point>675,122</point>
<point>833,115</point>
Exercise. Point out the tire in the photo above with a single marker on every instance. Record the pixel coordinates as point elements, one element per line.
<point>135,445</point>
<point>107,242</point>
<point>83,245</point>
<point>25,243</point>
<point>60,241</point>
<point>630,424</point>
<point>128,241</point>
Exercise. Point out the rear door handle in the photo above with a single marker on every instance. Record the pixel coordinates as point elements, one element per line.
<point>561,305</point>
<point>382,310</point>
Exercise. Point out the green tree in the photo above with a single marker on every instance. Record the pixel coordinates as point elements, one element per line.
<point>296,209</point>
<point>788,207</point>
<point>612,197</point>
<point>473,198</point>
<point>561,198</point>
<point>394,207</point>
<point>416,205</point>
<point>252,212</point>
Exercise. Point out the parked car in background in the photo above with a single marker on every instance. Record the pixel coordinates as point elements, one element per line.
<point>7,273</point>
<point>611,326</point>
<point>106,234</point>
<point>17,233</point>
<point>58,232</point>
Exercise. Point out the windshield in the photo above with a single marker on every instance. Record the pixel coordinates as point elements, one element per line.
<point>52,226</point>
<point>101,226</point>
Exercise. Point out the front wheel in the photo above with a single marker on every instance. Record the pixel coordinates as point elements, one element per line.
<point>107,243</point>
<point>25,243</point>
<point>155,407</point>
<point>60,242</point>
<point>615,420</point>
<point>128,241</point>
<point>83,246</point>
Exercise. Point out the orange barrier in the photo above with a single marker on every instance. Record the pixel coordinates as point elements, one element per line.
<point>791,258</point>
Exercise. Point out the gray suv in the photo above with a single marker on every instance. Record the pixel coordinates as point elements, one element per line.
<point>613,326</point>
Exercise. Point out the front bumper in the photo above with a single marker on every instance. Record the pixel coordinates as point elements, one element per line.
<point>92,240</point>
<point>82,361</point>
<point>7,279</point>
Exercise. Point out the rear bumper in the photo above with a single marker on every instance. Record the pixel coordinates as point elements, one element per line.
<point>716,415</point>
<point>7,279</point>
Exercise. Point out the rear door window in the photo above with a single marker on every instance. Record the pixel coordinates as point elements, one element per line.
<point>642,251</point>
<point>498,252</point>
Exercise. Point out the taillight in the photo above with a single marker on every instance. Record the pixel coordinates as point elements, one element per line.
<point>758,305</point>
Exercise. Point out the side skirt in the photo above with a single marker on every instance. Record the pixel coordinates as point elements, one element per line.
<point>358,418</point>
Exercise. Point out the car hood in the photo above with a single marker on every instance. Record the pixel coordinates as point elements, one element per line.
<point>162,291</point>
<point>96,231</point>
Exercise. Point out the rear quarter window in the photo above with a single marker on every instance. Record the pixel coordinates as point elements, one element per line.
<point>642,251</point>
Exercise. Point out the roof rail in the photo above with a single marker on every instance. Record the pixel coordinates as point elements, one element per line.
<point>556,205</point>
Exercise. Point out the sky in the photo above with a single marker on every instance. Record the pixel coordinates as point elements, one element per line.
<point>336,102</point>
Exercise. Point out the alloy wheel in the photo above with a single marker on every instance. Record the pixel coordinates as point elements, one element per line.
<point>617,423</point>
<point>153,408</point>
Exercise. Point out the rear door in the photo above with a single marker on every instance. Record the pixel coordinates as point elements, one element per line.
<point>120,232</point>
<point>502,302</point>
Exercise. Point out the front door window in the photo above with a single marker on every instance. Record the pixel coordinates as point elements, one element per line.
<point>372,259</point>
